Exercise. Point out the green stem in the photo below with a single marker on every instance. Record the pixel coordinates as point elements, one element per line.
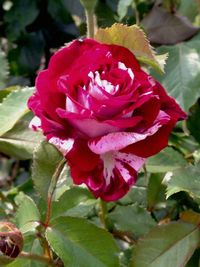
<point>103,211</point>
<point>90,23</point>
<point>52,188</point>
<point>39,258</point>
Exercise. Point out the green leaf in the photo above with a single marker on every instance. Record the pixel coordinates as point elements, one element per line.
<point>182,77</point>
<point>80,243</point>
<point>45,161</point>
<point>185,179</point>
<point>167,245</point>
<point>70,199</point>
<point>27,211</point>
<point>3,69</point>
<point>167,160</point>
<point>133,38</point>
<point>132,218</point>
<point>20,141</point>
<point>13,108</point>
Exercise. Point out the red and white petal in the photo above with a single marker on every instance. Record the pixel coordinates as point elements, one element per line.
<point>123,163</point>
<point>35,124</point>
<point>64,146</point>
<point>120,140</point>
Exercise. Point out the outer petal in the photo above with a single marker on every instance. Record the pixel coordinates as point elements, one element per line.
<point>124,175</point>
<point>113,177</point>
<point>68,56</point>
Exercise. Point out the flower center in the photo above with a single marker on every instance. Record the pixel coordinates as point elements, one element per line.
<point>106,85</point>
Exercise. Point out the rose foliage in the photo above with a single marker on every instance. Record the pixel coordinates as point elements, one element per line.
<point>106,115</point>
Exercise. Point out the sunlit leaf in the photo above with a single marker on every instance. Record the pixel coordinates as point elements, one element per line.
<point>185,179</point>
<point>182,72</point>
<point>133,38</point>
<point>20,141</point>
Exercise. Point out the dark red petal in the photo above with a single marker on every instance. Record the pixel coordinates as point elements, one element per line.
<point>81,157</point>
<point>152,144</point>
<point>124,55</point>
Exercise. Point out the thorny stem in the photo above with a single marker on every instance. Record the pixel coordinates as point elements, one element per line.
<point>52,188</point>
<point>35,257</point>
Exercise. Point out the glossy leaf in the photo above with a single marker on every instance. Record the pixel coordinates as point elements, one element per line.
<point>80,243</point>
<point>13,108</point>
<point>184,179</point>
<point>45,161</point>
<point>20,141</point>
<point>131,37</point>
<point>182,76</point>
<point>167,245</point>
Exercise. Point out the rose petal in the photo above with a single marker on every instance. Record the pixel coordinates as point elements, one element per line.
<point>120,173</point>
<point>152,144</point>
<point>35,124</point>
<point>81,157</point>
<point>120,140</point>
<point>90,127</point>
<point>63,145</point>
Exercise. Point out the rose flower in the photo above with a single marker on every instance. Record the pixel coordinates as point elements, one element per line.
<point>106,115</point>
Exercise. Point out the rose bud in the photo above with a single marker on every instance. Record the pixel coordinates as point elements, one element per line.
<point>11,242</point>
<point>106,115</point>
